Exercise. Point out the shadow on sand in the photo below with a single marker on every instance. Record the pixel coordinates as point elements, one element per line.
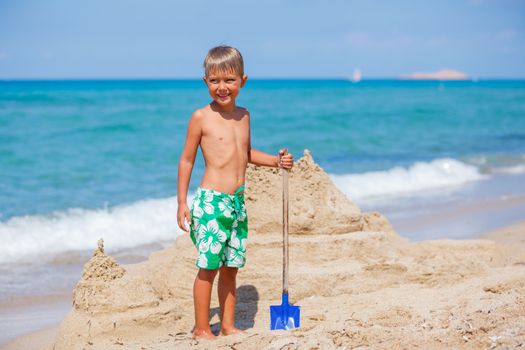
<point>245,310</point>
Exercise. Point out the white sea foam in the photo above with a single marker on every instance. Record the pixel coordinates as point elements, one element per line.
<point>25,238</point>
<point>29,238</point>
<point>439,173</point>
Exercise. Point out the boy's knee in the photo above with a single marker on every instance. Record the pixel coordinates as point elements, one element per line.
<point>208,275</point>
<point>232,271</point>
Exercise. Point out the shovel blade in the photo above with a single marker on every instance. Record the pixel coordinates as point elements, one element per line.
<point>284,316</point>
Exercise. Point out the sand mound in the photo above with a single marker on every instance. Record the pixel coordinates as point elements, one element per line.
<point>92,290</point>
<point>316,205</point>
<point>368,289</point>
<point>101,267</point>
<point>375,221</point>
<point>106,287</point>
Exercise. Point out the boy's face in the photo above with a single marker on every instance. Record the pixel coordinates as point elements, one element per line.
<point>224,86</point>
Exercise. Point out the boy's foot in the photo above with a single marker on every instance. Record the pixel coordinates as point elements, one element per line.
<point>203,334</point>
<point>230,331</point>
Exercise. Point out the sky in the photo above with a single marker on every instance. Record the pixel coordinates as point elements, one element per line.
<point>69,39</point>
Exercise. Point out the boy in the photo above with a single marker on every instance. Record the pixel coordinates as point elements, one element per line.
<point>218,223</point>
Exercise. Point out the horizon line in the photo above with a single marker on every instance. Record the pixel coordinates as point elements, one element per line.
<point>471,79</point>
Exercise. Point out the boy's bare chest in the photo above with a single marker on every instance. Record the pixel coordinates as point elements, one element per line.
<point>225,133</point>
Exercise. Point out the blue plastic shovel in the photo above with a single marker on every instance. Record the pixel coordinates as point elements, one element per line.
<point>285,316</point>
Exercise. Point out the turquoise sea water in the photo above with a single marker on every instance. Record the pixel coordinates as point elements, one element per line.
<point>91,144</point>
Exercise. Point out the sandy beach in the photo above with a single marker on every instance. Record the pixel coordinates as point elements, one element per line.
<point>358,282</point>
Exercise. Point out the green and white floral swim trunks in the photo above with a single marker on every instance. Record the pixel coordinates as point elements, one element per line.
<point>219,228</point>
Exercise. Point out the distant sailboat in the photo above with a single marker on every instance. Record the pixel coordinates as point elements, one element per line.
<point>357,75</point>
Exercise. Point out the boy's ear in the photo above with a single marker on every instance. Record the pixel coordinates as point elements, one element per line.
<point>204,79</point>
<point>244,78</point>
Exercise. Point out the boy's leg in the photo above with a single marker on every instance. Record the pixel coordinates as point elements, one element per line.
<point>201,297</point>
<point>227,299</point>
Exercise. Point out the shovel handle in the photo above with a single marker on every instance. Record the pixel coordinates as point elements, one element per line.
<point>285,230</point>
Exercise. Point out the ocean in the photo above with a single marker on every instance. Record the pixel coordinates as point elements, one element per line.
<point>83,160</point>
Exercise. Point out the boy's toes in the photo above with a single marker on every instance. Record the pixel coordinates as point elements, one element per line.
<point>203,334</point>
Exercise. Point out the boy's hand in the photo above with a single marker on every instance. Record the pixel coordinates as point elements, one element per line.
<point>285,159</point>
<point>183,213</point>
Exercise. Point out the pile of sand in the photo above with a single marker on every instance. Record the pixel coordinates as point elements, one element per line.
<point>316,205</point>
<point>92,292</point>
<point>369,288</point>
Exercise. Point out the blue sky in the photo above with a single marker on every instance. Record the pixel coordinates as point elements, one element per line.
<point>278,38</point>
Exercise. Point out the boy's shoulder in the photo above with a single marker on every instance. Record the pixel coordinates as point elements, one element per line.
<point>242,112</point>
<point>200,113</point>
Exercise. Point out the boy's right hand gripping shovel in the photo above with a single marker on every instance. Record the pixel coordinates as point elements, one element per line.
<point>285,316</point>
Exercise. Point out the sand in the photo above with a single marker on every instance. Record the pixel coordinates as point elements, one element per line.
<point>359,284</point>
<point>314,200</point>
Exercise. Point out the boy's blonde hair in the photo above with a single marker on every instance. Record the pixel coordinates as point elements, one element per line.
<point>224,58</point>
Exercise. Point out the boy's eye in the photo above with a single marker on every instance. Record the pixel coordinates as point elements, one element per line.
<point>230,80</point>
<point>213,81</point>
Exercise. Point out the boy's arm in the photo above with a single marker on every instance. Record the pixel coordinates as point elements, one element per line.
<point>187,159</point>
<point>283,159</point>
<point>260,158</point>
